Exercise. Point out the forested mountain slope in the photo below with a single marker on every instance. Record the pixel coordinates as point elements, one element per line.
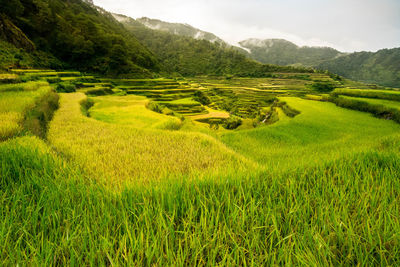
<point>282,52</point>
<point>75,32</point>
<point>382,67</point>
<point>189,56</point>
<point>180,29</point>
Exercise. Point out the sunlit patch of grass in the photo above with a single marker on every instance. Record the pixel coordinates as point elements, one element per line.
<point>184,101</point>
<point>20,101</point>
<point>29,86</point>
<point>129,110</point>
<point>8,78</point>
<point>19,71</point>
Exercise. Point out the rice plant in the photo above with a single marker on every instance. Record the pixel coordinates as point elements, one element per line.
<point>114,183</point>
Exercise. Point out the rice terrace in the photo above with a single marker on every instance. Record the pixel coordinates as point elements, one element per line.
<point>125,143</point>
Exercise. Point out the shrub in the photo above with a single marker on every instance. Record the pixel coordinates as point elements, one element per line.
<point>323,87</point>
<point>167,111</point>
<point>290,112</point>
<point>232,123</point>
<point>270,117</point>
<point>54,80</point>
<point>153,106</point>
<point>86,104</point>
<point>199,96</point>
<point>66,88</point>
<point>99,91</point>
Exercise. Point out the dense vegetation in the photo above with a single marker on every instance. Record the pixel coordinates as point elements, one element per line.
<point>190,57</point>
<point>75,33</point>
<point>381,67</point>
<point>12,56</point>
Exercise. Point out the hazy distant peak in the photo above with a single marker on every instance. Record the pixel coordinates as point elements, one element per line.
<point>254,42</point>
<point>179,29</point>
<point>89,1</point>
<point>283,52</point>
<point>120,18</point>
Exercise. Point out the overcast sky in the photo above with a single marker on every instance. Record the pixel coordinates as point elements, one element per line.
<point>347,25</point>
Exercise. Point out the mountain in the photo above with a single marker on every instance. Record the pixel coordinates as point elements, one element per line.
<point>189,56</point>
<point>282,52</point>
<point>180,29</point>
<point>184,30</point>
<point>382,67</point>
<point>74,33</point>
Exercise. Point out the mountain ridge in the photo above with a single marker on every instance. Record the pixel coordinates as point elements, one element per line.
<point>180,29</point>
<point>283,52</point>
<point>382,67</point>
<point>76,33</point>
<point>179,53</point>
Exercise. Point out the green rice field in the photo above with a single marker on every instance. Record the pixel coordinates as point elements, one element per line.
<point>200,171</point>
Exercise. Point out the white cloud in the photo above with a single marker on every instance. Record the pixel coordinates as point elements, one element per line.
<point>347,25</point>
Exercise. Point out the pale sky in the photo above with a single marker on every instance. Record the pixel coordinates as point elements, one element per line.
<point>347,25</point>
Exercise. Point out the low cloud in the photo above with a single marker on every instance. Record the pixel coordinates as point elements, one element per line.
<point>347,25</point>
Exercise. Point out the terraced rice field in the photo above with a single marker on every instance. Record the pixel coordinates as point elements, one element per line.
<point>131,151</point>
<point>130,172</point>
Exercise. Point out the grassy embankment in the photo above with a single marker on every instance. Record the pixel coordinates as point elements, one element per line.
<point>381,103</point>
<point>26,107</point>
<point>128,152</point>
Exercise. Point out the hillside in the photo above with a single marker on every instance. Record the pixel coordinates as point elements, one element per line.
<point>183,30</point>
<point>190,57</point>
<point>76,33</point>
<point>382,67</point>
<point>282,52</point>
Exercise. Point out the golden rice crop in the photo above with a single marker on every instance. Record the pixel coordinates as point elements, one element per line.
<point>30,70</point>
<point>28,86</point>
<point>21,101</point>
<point>7,76</point>
<point>14,105</point>
<point>10,124</point>
<point>125,153</point>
